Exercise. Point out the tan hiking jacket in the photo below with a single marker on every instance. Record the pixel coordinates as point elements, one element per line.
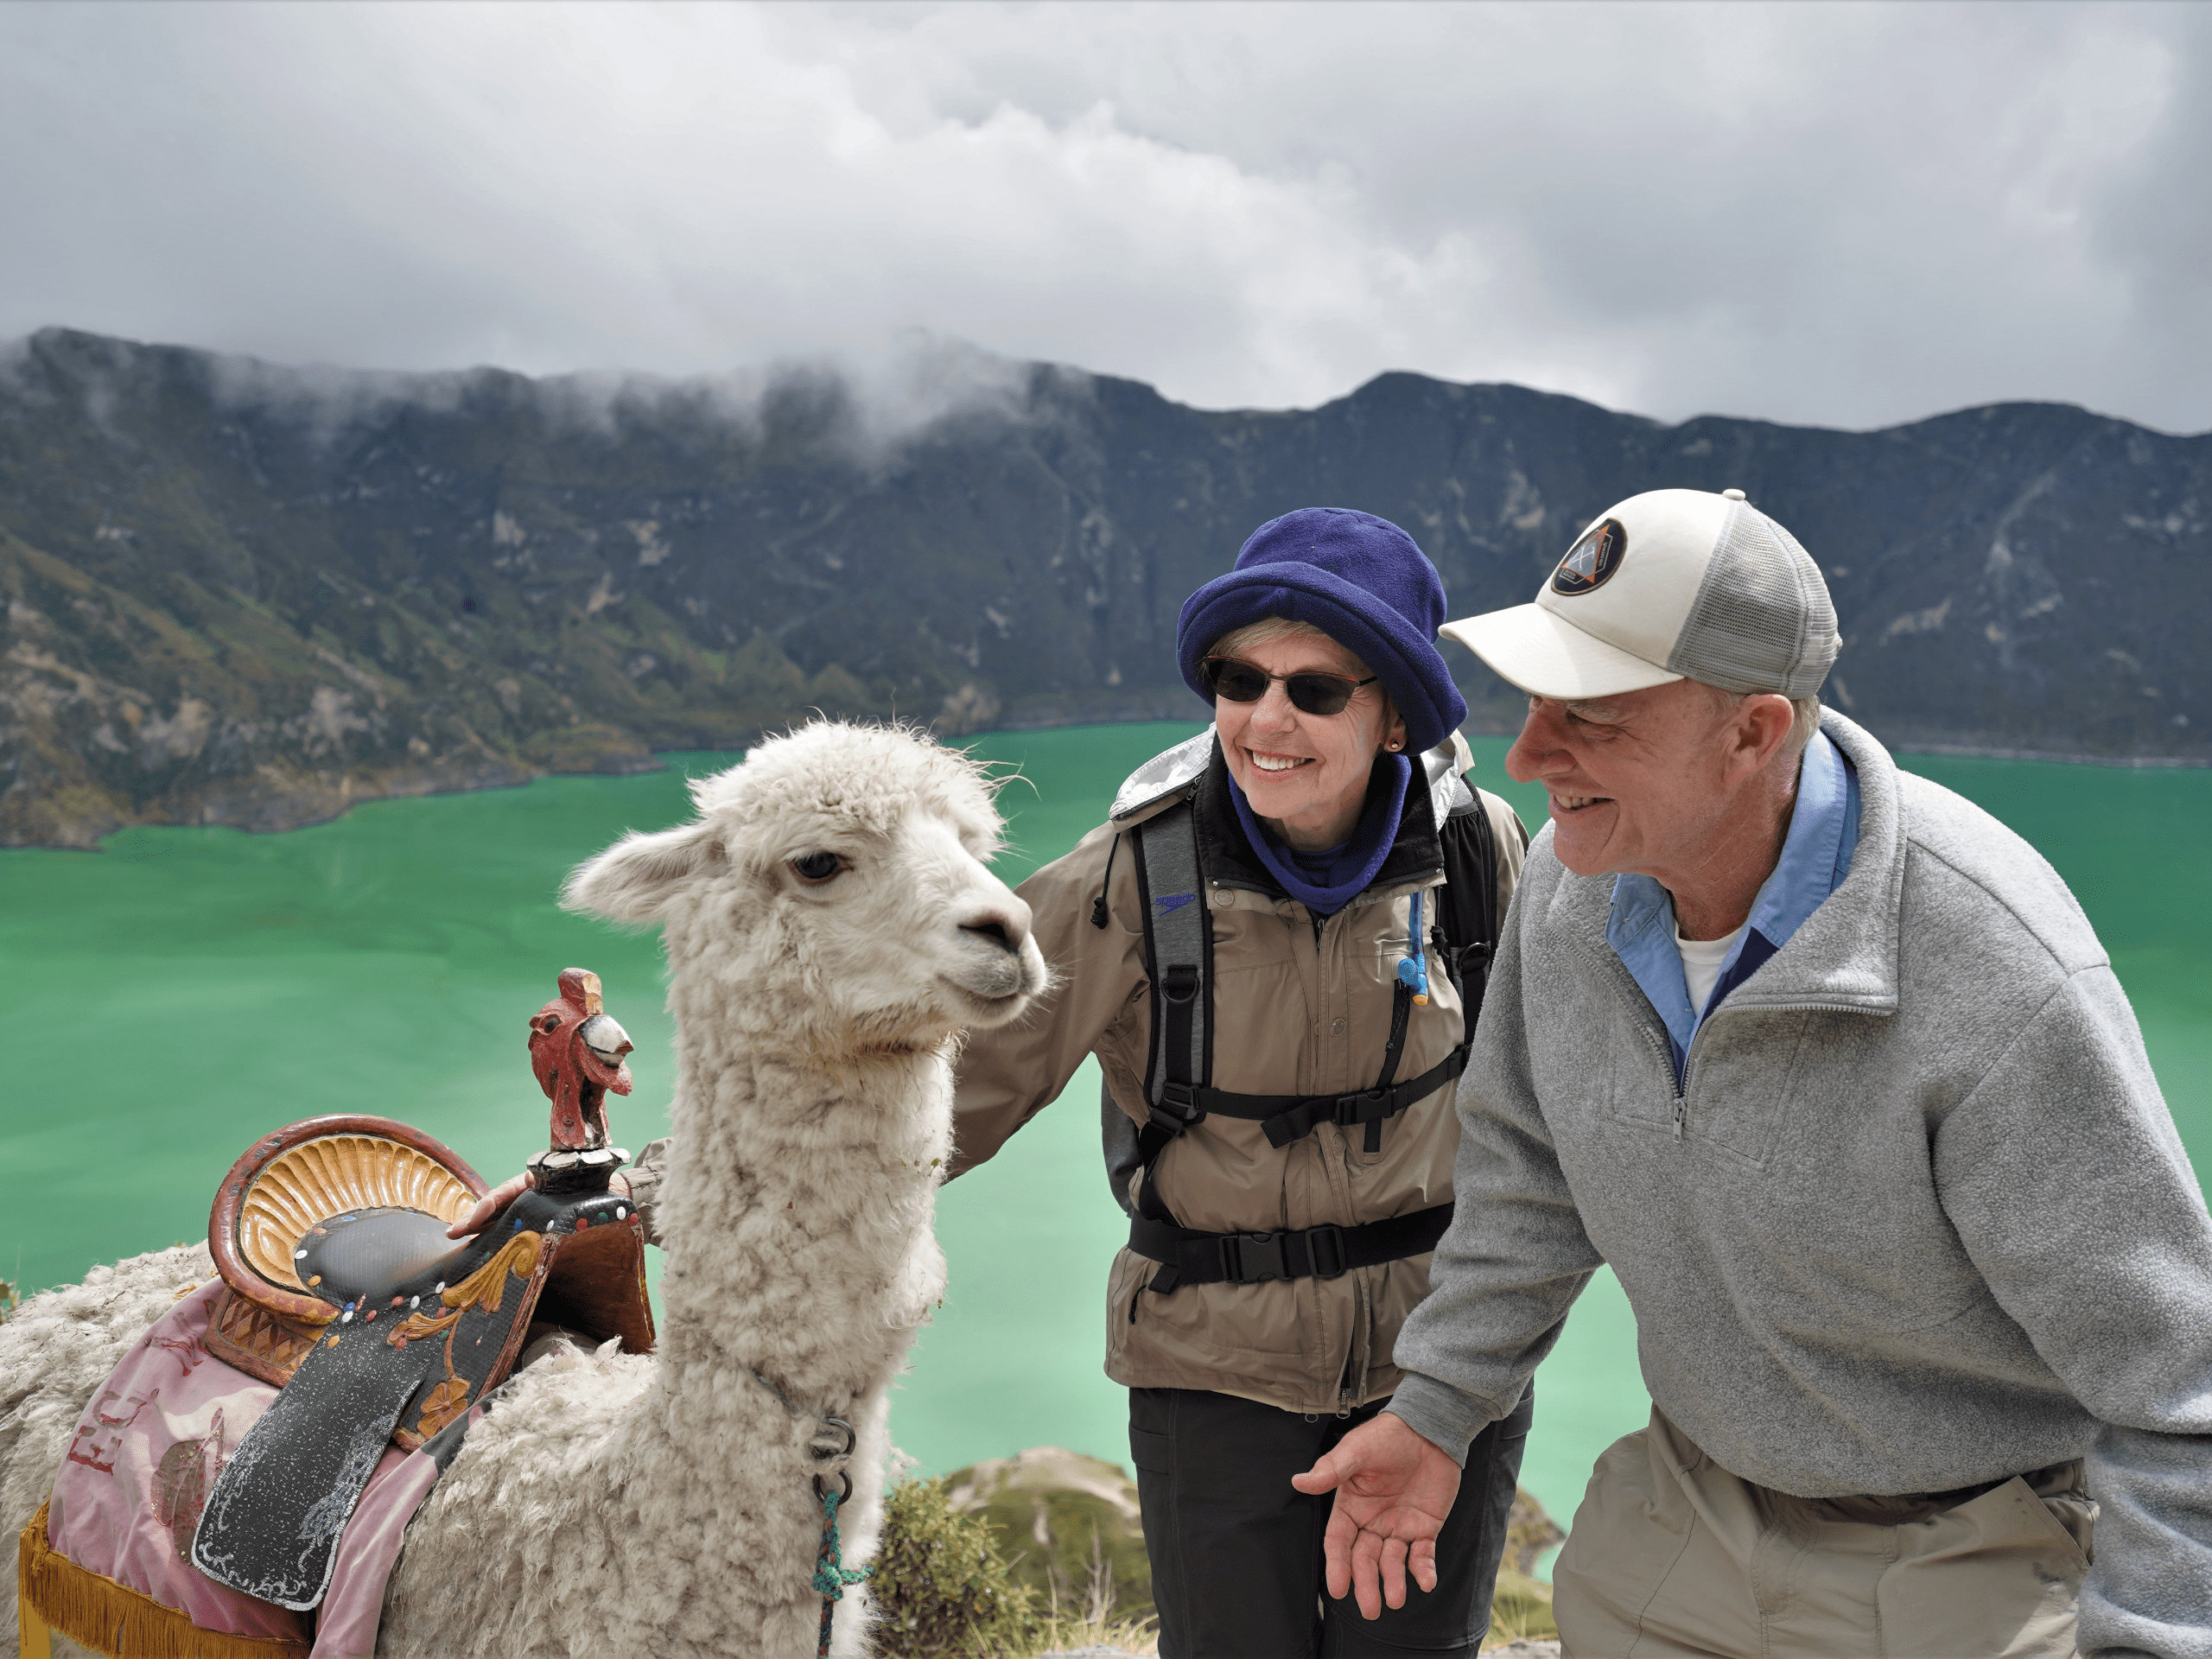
<point>1296,1010</point>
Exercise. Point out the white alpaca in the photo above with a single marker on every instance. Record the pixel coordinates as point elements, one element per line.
<point>830,929</point>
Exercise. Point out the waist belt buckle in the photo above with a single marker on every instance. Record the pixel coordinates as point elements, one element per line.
<point>1349,1110</point>
<point>1326,1245</point>
<point>1253,1258</point>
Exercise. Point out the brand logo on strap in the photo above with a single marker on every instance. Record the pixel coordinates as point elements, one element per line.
<point>1172,901</point>
<point>1590,563</point>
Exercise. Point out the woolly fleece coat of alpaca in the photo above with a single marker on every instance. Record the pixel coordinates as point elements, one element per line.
<point>663,1505</point>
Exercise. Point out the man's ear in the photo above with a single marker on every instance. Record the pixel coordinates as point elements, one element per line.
<point>634,880</point>
<point>1762,724</point>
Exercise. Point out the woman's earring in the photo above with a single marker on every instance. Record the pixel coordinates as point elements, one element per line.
<point>1392,744</point>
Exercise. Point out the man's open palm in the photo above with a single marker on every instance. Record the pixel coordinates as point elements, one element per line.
<point>1394,1490</point>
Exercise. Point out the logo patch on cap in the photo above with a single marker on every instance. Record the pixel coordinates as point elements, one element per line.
<point>1590,563</point>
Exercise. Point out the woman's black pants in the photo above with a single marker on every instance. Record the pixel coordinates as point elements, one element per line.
<point>1235,1549</point>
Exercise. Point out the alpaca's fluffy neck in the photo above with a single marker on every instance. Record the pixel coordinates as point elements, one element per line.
<point>797,1209</point>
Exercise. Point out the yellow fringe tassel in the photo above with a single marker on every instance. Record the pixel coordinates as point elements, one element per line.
<point>114,1620</point>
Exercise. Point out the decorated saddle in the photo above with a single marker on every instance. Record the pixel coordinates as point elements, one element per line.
<point>339,1289</point>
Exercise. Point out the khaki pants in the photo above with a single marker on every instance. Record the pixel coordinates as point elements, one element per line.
<point>1672,1557</point>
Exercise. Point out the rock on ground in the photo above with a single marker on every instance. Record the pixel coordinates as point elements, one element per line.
<point>1067,1525</point>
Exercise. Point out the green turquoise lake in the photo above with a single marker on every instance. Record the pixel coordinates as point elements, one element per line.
<point>169,999</point>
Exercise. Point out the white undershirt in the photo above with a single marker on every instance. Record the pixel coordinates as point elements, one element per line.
<point>1701,961</point>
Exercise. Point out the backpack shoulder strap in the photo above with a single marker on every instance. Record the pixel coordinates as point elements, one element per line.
<point>1467,908</point>
<point>1179,962</point>
<point>1179,958</point>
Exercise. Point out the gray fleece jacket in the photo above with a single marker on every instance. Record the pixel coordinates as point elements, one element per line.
<point>1928,1222</point>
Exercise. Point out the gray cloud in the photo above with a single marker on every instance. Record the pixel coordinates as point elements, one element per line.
<point>1843,214</point>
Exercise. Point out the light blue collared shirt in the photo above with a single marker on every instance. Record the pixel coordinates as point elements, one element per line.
<point>1815,857</point>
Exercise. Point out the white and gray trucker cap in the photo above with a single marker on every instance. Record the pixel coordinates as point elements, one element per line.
<point>1668,584</point>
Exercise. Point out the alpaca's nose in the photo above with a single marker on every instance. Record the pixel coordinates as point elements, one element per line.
<point>1001,964</point>
<point>1001,927</point>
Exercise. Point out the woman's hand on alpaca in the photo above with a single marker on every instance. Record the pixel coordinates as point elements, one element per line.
<point>489,1206</point>
<point>1394,1490</point>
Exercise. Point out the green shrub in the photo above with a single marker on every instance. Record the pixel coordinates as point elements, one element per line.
<point>1520,1609</point>
<point>940,1589</point>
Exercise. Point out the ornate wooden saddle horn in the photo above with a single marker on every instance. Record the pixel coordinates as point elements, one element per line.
<point>343,1290</point>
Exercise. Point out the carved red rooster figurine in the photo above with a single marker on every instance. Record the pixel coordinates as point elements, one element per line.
<point>576,1049</point>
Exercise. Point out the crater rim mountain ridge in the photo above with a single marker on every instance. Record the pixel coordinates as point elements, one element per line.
<point>240,594</point>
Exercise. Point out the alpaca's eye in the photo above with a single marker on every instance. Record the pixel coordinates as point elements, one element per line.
<point>816,867</point>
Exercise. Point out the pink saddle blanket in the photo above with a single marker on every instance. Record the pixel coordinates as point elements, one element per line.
<point>146,1456</point>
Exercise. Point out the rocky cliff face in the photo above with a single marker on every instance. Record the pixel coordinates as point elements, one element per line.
<point>240,594</point>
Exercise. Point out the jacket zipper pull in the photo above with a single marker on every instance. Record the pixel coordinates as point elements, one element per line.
<point>1412,967</point>
<point>1099,911</point>
<point>1681,1111</point>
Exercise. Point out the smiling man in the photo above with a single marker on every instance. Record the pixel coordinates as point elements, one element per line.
<point>1830,1068</point>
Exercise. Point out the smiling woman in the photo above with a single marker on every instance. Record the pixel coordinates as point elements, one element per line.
<point>1244,948</point>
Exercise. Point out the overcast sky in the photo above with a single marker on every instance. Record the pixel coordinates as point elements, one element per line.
<point>1847,215</point>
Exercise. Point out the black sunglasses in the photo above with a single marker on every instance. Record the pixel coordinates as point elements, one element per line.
<point>1310,694</point>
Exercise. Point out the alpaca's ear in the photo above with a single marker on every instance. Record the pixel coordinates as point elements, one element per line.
<point>634,879</point>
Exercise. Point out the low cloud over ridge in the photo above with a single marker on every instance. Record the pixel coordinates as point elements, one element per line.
<point>868,403</point>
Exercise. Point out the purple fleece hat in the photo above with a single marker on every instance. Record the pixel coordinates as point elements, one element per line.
<point>1360,579</point>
